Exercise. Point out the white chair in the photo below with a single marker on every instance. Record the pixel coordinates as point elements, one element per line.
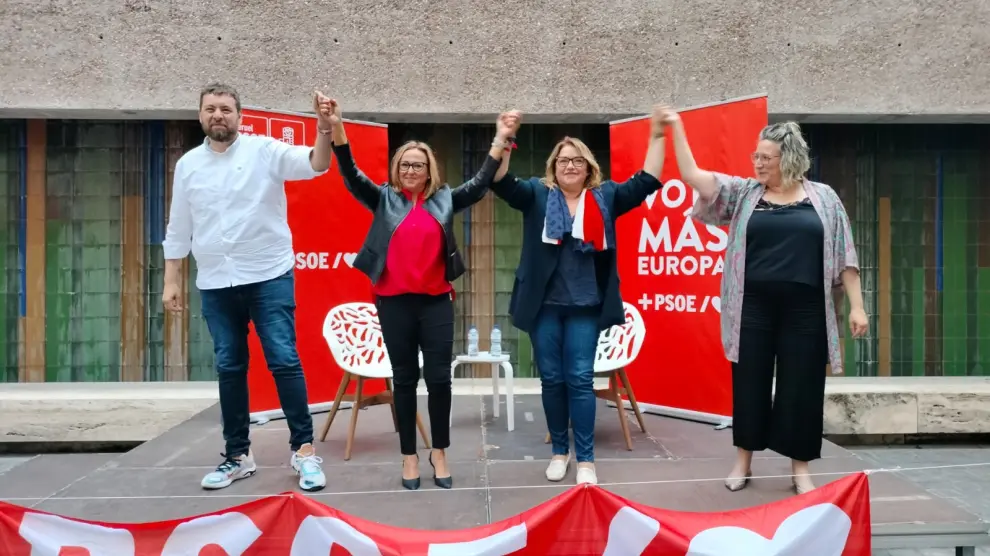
<point>497,362</point>
<point>354,335</point>
<point>617,348</point>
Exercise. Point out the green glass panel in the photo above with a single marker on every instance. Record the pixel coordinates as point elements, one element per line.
<point>82,250</point>
<point>10,180</point>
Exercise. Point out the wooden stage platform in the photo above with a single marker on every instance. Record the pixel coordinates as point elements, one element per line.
<point>497,474</point>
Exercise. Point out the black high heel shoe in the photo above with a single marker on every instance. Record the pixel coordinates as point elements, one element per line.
<point>411,484</point>
<point>442,482</point>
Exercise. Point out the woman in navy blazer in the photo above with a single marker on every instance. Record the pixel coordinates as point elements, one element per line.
<point>566,288</point>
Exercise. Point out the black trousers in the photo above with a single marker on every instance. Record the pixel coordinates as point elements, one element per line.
<point>411,323</point>
<point>783,324</point>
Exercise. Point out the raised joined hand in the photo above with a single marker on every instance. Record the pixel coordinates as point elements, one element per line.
<point>327,110</point>
<point>508,124</point>
<point>666,114</point>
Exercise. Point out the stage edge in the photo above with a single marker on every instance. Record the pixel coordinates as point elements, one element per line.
<point>963,537</point>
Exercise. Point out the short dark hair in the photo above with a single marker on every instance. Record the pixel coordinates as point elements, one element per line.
<point>216,88</point>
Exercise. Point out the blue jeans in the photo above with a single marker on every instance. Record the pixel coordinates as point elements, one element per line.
<point>271,306</point>
<point>564,342</point>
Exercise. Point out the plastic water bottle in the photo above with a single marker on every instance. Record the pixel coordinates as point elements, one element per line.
<point>496,349</point>
<point>473,341</point>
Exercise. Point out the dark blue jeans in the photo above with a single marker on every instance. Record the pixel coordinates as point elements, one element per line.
<point>564,342</point>
<point>271,306</point>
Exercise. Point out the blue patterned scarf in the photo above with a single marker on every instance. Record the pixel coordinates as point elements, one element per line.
<point>559,221</point>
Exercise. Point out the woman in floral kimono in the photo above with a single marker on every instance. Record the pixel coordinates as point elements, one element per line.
<point>790,244</point>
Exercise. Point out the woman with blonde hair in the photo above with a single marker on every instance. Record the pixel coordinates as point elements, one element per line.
<point>411,256</point>
<point>790,244</point>
<point>566,289</point>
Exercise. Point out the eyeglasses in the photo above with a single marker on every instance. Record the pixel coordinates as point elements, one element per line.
<point>579,161</point>
<point>416,167</point>
<point>762,158</point>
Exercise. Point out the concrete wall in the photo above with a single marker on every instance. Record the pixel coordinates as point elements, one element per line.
<point>453,60</point>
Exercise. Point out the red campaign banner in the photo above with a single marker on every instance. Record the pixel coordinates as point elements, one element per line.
<point>328,227</point>
<point>674,273</point>
<point>584,521</point>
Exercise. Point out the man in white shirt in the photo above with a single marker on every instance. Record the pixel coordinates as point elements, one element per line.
<point>229,209</point>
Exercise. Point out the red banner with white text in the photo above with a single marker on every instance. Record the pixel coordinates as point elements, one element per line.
<point>584,521</point>
<point>328,227</point>
<point>673,274</point>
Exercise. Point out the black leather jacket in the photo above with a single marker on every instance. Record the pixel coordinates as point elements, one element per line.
<point>390,208</point>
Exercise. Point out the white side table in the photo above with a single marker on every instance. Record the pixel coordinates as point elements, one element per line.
<point>500,361</point>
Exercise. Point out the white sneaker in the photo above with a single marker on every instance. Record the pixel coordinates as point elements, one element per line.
<point>557,469</point>
<point>232,469</point>
<point>587,475</point>
<point>311,476</point>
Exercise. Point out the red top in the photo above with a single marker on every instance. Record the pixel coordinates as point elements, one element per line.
<point>415,262</point>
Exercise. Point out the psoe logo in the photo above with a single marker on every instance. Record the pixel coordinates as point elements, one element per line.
<point>324,260</point>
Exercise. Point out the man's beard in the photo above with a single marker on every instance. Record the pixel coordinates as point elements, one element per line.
<point>220,134</point>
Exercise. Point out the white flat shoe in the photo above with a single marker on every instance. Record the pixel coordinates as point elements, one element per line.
<point>557,469</point>
<point>587,475</point>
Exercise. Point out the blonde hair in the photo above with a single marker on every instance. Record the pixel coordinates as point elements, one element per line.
<point>432,180</point>
<point>594,178</point>
<point>795,159</point>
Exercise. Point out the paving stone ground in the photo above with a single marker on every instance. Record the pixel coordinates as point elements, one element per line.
<point>968,487</point>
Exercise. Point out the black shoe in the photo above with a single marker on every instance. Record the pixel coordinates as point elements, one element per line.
<point>411,484</point>
<point>442,482</point>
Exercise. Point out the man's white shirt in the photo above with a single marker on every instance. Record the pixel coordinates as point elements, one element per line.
<point>229,210</point>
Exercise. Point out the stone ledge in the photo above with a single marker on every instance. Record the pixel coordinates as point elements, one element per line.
<point>98,412</point>
<point>137,412</point>
<point>907,405</point>
<point>861,406</point>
